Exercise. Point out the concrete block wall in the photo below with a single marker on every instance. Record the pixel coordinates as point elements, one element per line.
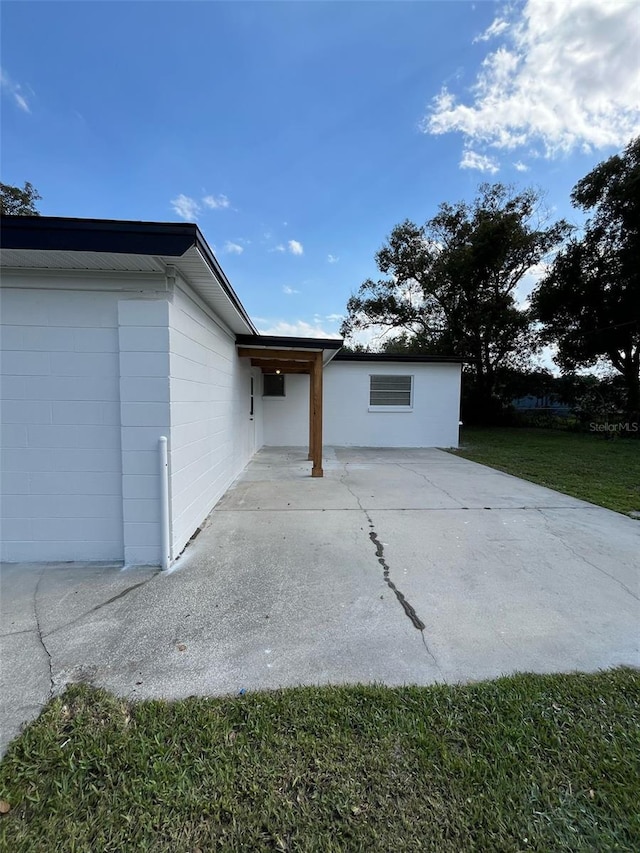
<point>212,435</point>
<point>144,416</point>
<point>61,485</point>
<point>432,422</point>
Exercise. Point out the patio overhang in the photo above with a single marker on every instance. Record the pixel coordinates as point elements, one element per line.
<point>295,356</point>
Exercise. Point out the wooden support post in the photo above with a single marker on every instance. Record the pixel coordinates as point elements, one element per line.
<point>317,471</point>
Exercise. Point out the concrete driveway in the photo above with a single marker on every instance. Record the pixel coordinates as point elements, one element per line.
<point>399,566</point>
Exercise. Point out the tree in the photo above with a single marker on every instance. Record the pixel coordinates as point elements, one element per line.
<point>451,283</point>
<point>589,302</point>
<point>19,202</point>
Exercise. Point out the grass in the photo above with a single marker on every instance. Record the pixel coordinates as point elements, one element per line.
<point>522,763</point>
<point>590,467</point>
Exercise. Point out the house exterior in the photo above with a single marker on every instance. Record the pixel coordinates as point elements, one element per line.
<point>134,388</point>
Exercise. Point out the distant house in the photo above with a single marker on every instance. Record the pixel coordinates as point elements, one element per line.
<point>118,335</point>
<point>549,404</point>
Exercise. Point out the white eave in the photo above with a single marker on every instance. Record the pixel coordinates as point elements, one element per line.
<point>192,267</point>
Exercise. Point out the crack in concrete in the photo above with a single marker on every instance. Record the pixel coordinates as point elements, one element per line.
<point>100,606</point>
<point>40,636</point>
<point>431,483</point>
<point>15,633</point>
<point>581,557</point>
<point>408,608</point>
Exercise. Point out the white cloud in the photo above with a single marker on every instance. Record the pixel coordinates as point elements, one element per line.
<point>495,29</point>
<point>372,338</point>
<point>186,207</point>
<point>297,328</point>
<point>565,77</point>
<point>216,202</point>
<point>190,208</point>
<point>295,247</point>
<point>528,281</point>
<point>335,318</point>
<point>520,166</point>
<point>288,290</point>
<point>21,102</point>
<point>14,90</point>
<point>233,248</point>
<point>278,248</point>
<point>332,259</point>
<point>473,160</point>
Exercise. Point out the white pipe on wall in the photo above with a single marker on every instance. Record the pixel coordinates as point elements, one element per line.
<point>164,503</point>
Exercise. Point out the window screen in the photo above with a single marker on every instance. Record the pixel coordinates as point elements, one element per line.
<point>273,385</point>
<point>390,391</point>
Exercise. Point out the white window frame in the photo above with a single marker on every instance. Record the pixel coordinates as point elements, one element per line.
<point>392,409</point>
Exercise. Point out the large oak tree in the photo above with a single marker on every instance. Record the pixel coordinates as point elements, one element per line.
<point>450,284</point>
<point>589,303</point>
<point>18,201</point>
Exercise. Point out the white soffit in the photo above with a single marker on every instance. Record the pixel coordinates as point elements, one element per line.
<point>192,266</point>
<point>196,271</point>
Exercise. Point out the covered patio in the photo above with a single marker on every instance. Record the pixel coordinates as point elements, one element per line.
<point>288,355</point>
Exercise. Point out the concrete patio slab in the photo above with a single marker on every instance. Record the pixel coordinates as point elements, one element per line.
<point>400,566</point>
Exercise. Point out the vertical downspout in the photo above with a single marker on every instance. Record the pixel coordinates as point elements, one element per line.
<point>164,503</point>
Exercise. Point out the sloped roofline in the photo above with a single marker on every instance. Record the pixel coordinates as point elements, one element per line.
<point>116,236</point>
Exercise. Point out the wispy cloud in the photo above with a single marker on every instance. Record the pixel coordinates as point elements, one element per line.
<point>289,290</point>
<point>294,328</point>
<point>190,208</point>
<point>186,207</point>
<point>519,166</point>
<point>332,259</point>
<point>495,29</point>
<point>216,202</point>
<point>278,248</point>
<point>565,76</point>
<point>473,160</point>
<point>335,318</point>
<point>15,91</point>
<point>295,247</point>
<point>233,248</point>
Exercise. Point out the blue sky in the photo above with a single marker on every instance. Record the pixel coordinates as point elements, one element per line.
<point>299,133</point>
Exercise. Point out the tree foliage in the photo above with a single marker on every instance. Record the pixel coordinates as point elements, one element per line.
<point>19,202</point>
<point>589,302</point>
<point>451,283</point>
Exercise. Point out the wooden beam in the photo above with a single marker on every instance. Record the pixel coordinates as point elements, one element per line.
<point>278,354</point>
<point>282,366</point>
<point>316,378</point>
<point>287,371</point>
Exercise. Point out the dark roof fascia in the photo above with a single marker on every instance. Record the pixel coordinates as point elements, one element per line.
<point>68,234</point>
<point>116,236</point>
<point>276,341</point>
<point>384,356</point>
<point>212,263</point>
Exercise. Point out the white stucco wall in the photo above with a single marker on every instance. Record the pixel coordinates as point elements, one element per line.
<point>432,422</point>
<point>212,434</point>
<point>60,481</point>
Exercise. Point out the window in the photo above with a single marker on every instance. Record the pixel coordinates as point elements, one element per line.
<point>390,392</point>
<point>273,384</point>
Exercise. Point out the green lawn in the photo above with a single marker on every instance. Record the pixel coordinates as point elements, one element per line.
<point>546,763</point>
<point>583,465</point>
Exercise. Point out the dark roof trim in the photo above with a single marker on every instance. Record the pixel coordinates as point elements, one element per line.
<point>62,233</point>
<point>385,356</point>
<point>299,343</point>
<point>116,236</point>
